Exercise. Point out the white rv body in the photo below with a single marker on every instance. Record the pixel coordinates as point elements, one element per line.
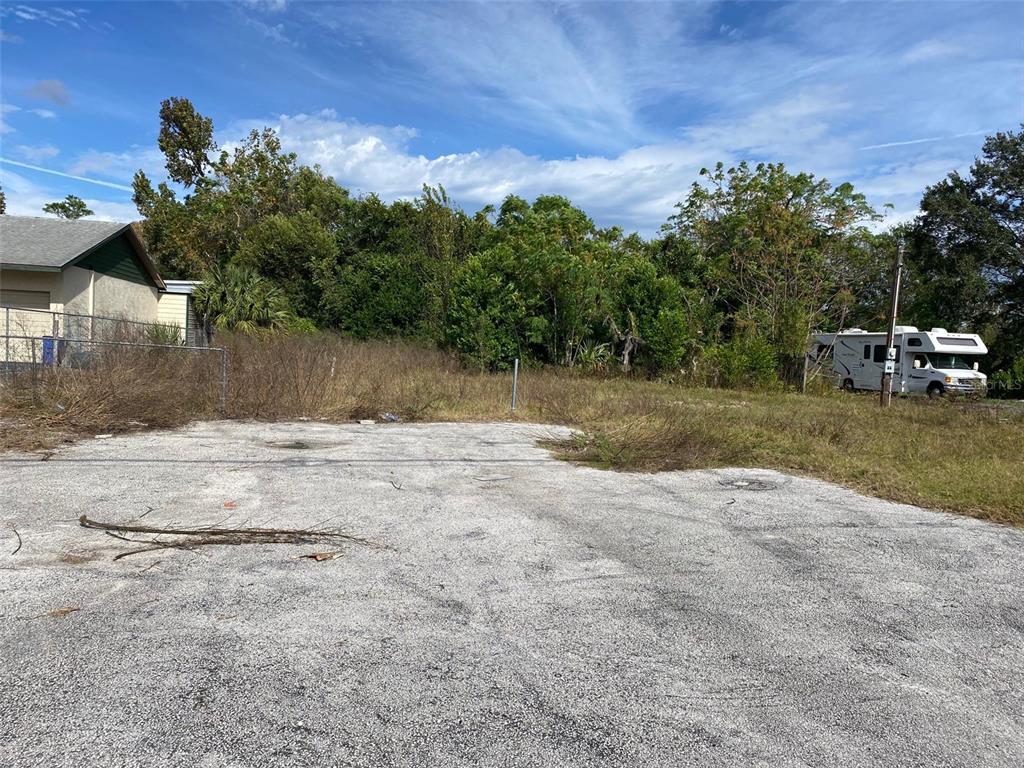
<point>929,362</point>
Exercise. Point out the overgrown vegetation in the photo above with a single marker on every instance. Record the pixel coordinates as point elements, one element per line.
<point>958,456</point>
<point>752,261</point>
<point>622,337</point>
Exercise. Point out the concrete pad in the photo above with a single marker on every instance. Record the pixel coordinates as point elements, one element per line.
<point>528,612</point>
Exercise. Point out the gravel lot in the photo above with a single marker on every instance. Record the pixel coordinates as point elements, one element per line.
<point>527,612</point>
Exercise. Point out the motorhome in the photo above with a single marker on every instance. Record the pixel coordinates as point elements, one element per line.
<point>931,362</point>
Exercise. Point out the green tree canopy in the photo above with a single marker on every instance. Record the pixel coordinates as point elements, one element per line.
<point>967,260</point>
<point>774,245</point>
<point>290,251</point>
<point>754,259</point>
<point>186,139</point>
<point>71,207</point>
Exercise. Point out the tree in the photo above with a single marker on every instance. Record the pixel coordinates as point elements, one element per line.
<point>777,246</point>
<point>186,139</point>
<point>3,202</point>
<point>170,231</point>
<point>236,298</point>
<point>290,251</point>
<point>254,181</point>
<point>373,295</point>
<point>490,320</point>
<point>439,229</point>
<point>966,263</point>
<point>71,207</point>
<point>646,316</point>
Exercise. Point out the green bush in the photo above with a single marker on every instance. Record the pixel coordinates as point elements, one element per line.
<point>162,333</point>
<point>744,362</point>
<point>373,295</point>
<point>1008,382</point>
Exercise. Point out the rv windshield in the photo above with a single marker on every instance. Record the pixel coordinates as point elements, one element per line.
<point>943,360</point>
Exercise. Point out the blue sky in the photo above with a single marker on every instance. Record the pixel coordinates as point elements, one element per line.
<point>617,106</point>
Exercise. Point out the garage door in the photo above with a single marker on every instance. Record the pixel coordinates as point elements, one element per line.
<point>25,299</point>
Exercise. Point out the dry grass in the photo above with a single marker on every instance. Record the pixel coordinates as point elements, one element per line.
<point>961,457</point>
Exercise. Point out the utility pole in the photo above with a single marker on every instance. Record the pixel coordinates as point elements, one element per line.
<point>890,351</point>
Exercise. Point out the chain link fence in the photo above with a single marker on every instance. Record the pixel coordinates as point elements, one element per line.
<point>38,347</point>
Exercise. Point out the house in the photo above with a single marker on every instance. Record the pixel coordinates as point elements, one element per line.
<point>74,269</point>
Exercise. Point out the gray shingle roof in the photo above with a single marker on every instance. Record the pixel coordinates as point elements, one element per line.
<point>32,241</point>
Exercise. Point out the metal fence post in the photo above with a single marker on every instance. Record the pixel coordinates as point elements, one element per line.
<point>223,380</point>
<point>35,373</point>
<point>515,382</point>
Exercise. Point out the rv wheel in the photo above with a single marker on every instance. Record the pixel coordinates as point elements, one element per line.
<point>935,390</point>
<point>848,385</point>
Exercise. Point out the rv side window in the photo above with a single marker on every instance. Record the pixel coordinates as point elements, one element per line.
<point>880,353</point>
<point>867,351</point>
<point>912,342</point>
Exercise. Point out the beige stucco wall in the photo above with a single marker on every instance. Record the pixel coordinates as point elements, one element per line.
<point>124,299</point>
<point>69,292</point>
<point>76,290</point>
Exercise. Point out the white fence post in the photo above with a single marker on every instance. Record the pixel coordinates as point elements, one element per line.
<point>515,382</point>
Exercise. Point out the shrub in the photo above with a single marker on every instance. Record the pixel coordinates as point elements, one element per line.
<point>745,361</point>
<point>236,298</point>
<point>161,333</point>
<point>1008,382</point>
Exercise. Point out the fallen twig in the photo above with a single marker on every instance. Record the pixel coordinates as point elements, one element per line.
<point>17,548</point>
<point>319,556</point>
<point>59,612</point>
<point>190,538</point>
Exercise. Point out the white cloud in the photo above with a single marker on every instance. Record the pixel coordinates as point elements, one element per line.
<point>6,109</point>
<point>567,70</point>
<point>69,18</point>
<point>907,179</point>
<point>930,49</point>
<point>72,176</point>
<point>55,17</point>
<point>27,198</point>
<point>119,165</point>
<point>269,6</point>
<point>37,154</point>
<point>927,140</point>
<point>636,188</point>
<point>275,32</point>
<point>47,114</point>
